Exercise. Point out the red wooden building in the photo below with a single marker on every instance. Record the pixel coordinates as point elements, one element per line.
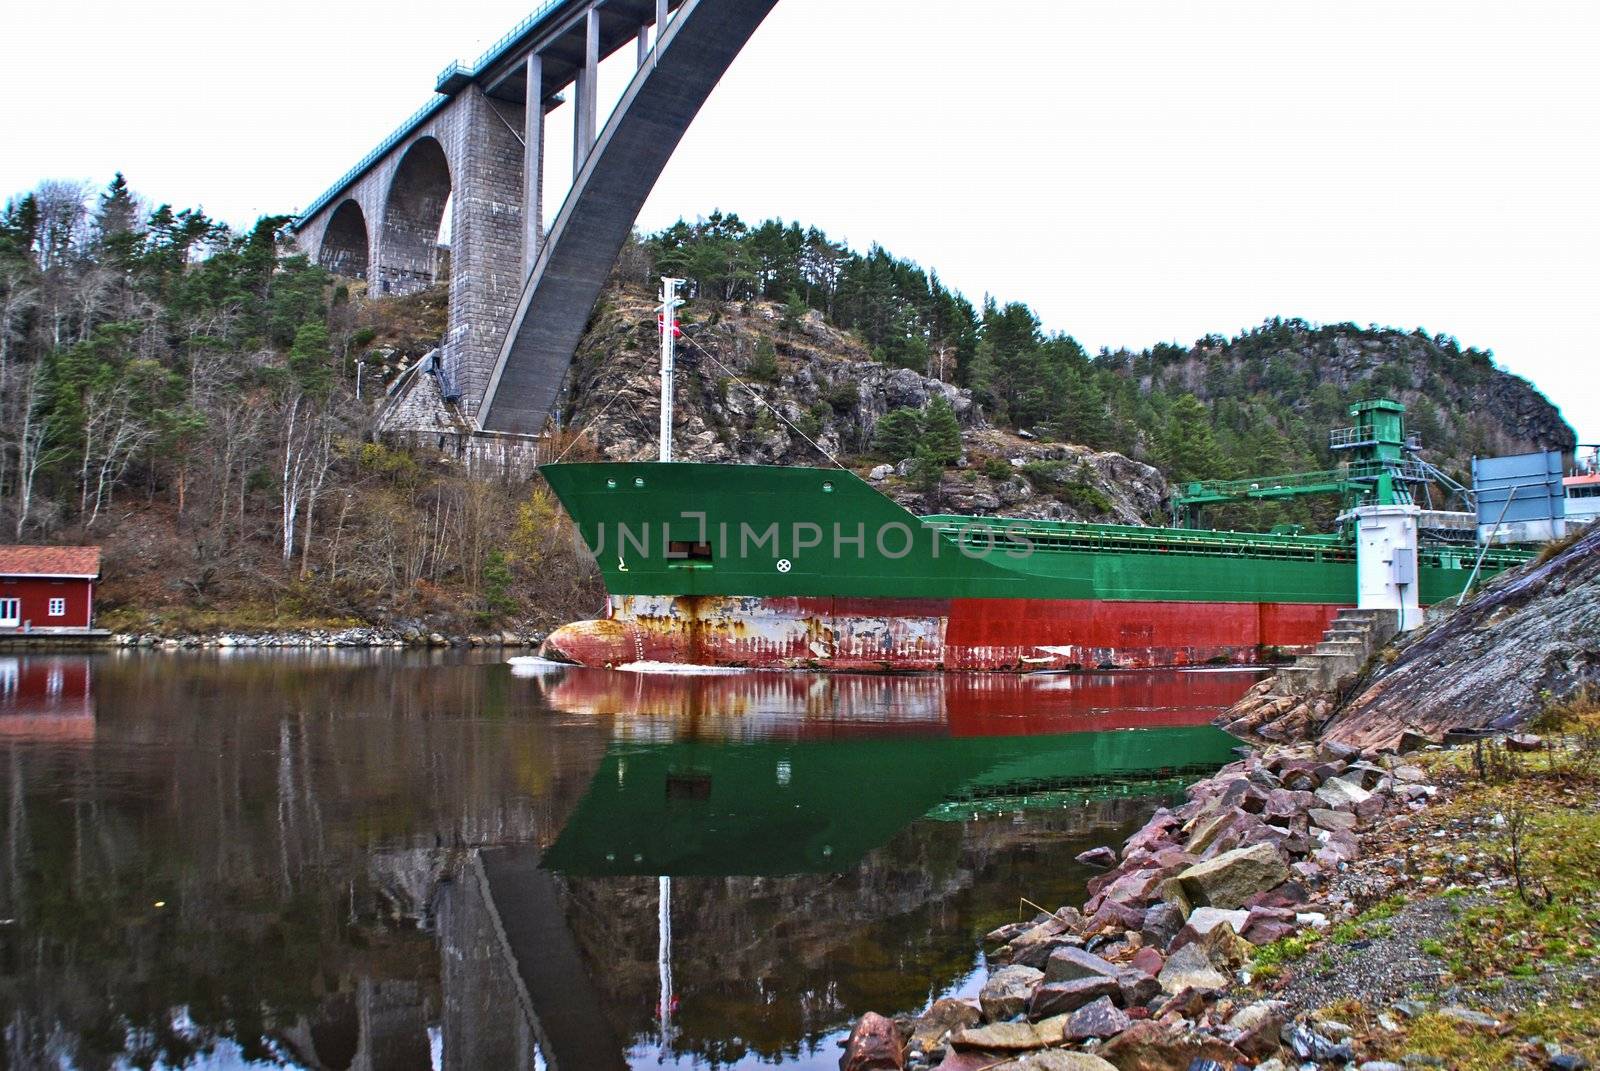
<point>48,590</point>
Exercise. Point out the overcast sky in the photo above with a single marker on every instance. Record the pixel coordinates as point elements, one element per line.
<point>1136,170</point>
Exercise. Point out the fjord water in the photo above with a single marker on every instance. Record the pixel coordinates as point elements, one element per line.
<point>385,860</point>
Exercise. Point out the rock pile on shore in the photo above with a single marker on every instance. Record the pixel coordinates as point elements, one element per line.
<point>360,636</point>
<point>1136,977</point>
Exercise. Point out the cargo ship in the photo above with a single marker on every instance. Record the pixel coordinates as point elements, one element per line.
<point>812,568</point>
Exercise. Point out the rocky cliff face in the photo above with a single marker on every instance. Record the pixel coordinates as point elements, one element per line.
<point>1459,401</point>
<point>1531,637</point>
<point>753,388</point>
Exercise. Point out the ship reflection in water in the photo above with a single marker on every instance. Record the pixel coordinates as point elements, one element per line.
<point>412,861</point>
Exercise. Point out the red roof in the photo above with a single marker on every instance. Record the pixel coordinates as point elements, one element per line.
<point>50,561</point>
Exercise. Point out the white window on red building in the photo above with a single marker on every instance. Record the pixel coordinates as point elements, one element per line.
<point>58,607</point>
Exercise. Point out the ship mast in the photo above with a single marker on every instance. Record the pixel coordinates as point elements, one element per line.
<point>668,320</point>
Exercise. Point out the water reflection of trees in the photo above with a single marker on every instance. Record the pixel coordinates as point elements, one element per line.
<point>257,842</point>
<point>769,966</point>
<point>271,854</point>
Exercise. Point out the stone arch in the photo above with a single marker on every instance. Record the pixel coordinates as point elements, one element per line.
<point>412,216</point>
<point>345,250</point>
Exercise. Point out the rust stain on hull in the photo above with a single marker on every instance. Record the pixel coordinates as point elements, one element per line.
<point>908,635</point>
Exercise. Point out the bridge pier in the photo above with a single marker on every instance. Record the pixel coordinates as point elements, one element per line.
<point>533,164</point>
<point>586,91</point>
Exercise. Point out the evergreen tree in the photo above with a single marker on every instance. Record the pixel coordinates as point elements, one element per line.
<point>941,434</point>
<point>763,366</point>
<point>898,434</point>
<point>926,471</point>
<point>1187,448</point>
<point>117,217</point>
<point>310,359</point>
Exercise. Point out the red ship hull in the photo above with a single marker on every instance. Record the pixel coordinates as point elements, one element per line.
<point>883,635</point>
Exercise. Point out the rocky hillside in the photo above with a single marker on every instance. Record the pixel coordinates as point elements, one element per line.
<point>756,385</point>
<point>1530,639</point>
<point>1298,377</point>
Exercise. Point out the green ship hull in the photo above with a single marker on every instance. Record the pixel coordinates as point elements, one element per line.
<point>783,567</point>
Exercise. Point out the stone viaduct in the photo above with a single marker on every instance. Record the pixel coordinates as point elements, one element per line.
<point>520,292</point>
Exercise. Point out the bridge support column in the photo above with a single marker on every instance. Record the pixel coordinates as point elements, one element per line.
<point>489,228</point>
<point>533,166</point>
<point>587,91</point>
<point>644,46</point>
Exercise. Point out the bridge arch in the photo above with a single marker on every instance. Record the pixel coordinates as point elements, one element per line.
<point>413,213</point>
<point>346,249</point>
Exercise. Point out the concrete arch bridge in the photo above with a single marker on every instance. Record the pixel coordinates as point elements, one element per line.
<point>520,291</point>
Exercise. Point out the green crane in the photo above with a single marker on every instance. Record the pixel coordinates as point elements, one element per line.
<point>1381,467</point>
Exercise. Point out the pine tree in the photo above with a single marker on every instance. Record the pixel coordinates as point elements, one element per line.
<point>310,359</point>
<point>763,366</point>
<point>926,471</point>
<point>941,434</point>
<point>118,214</point>
<point>898,434</point>
<point>1187,448</point>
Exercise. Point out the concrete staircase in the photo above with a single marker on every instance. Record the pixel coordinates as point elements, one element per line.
<point>1353,638</point>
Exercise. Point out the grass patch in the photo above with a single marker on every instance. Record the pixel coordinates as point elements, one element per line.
<point>1270,959</point>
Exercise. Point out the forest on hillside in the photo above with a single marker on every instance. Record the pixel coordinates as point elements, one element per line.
<point>191,396</point>
<point>1259,403</point>
<point>187,394</point>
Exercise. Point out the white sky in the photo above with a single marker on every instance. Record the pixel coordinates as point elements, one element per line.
<point>1136,170</point>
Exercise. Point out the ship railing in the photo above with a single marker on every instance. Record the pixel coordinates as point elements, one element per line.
<point>1002,533</point>
<point>1345,438</point>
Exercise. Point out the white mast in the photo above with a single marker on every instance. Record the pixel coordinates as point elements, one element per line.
<point>669,329</point>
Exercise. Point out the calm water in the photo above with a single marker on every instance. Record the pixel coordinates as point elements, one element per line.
<point>387,861</point>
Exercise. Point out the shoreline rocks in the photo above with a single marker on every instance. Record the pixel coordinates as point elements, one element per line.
<point>1139,975</point>
<point>360,637</point>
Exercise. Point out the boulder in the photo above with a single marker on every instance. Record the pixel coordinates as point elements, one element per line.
<point>1225,949</point>
<point>1099,1019</point>
<point>1259,1026</point>
<point>1138,987</point>
<point>1190,968</point>
<point>1004,934</point>
<point>880,473</point>
<point>1139,887</point>
<point>1113,915</point>
<point>1342,795</point>
<point>1202,920</point>
<point>1062,1060</point>
<point>874,1045</point>
<point>1185,1004</point>
<point>1067,964</point>
<point>1006,993</point>
<point>1233,877</point>
<point>929,1028</point>
<point>972,1060</point>
<point>1098,857</point>
<point>1323,818</point>
<point>1036,953</point>
<point>1337,751</point>
<point>1161,924</point>
<point>1265,929</point>
<point>1002,1037</point>
<point>1207,831</point>
<point>1148,960</point>
<point>1059,998</point>
<point>1152,1045</point>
